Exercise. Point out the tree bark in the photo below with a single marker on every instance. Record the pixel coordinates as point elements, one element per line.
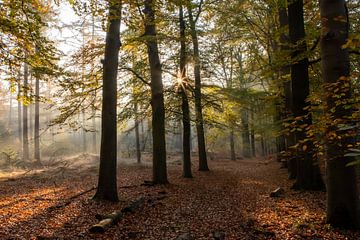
<point>203,165</point>
<point>252,135</point>
<point>10,112</point>
<point>19,107</point>
<point>83,131</point>
<point>342,196</point>
<point>37,122</point>
<point>245,134</point>
<point>137,134</point>
<point>107,183</point>
<point>106,221</point>
<point>157,96</point>
<point>184,100</point>
<point>25,137</point>
<point>286,84</point>
<point>308,172</point>
<point>232,145</point>
<point>30,106</point>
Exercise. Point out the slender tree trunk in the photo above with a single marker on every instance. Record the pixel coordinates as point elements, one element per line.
<point>94,142</point>
<point>83,132</point>
<point>245,134</point>
<point>232,145</point>
<point>280,139</point>
<point>184,99</point>
<point>262,142</point>
<point>30,106</point>
<point>107,184</point>
<point>308,172</point>
<point>157,96</point>
<point>252,135</point>
<point>25,137</point>
<point>137,134</point>
<point>37,122</point>
<point>203,165</point>
<point>342,196</point>
<point>94,139</point>
<point>19,108</point>
<point>10,112</point>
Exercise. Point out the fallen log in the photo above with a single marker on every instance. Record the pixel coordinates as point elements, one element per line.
<point>105,221</point>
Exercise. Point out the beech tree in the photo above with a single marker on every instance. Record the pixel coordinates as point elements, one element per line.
<point>37,122</point>
<point>342,194</point>
<point>183,85</point>
<point>107,183</point>
<point>203,166</point>
<point>308,173</point>
<point>157,95</point>
<point>25,137</point>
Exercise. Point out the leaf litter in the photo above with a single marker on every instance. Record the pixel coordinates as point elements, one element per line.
<point>232,201</point>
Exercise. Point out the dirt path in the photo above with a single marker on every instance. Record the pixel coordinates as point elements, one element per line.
<point>232,200</point>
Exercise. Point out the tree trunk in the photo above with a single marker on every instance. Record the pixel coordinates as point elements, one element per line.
<point>252,135</point>
<point>94,138</point>
<point>308,173</point>
<point>342,196</point>
<point>30,106</point>
<point>203,166</point>
<point>25,137</point>
<point>183,81</point>
<point>94,144</point>
<point>37,122</point>
<point>232,145</point>
<point>245,134</point>
<point>137,134</point>
<point>83,132</point>
<point>280,139</point>
<point>19,108</point>
<point>157,97</point>
<point>262,143</point>
<point>10,112</point>
<point>285,71</point>
<point>107,184</point>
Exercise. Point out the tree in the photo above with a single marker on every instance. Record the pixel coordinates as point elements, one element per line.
<point>342,195</point>
<point>286,83</point>
<point>203,166</point>
<point>107,183</point>
<point>157,96</point>
<point>308,172</point>
<point>183,82</point>
<point>25,137</point>
<point>137,134</point>
<point>19,105</point>
<point>37,122</point>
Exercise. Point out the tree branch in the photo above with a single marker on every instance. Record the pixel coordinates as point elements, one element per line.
<point>136,75</point>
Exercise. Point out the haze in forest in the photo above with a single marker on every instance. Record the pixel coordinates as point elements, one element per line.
<point>209,119</point>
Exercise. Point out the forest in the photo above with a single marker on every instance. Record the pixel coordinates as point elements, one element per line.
<point>180,119</point>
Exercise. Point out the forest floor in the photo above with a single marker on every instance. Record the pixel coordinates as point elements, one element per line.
<point>232,200</point>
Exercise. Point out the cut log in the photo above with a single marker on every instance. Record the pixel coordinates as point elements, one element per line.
<point>277,192</point>
<point>105,221</point>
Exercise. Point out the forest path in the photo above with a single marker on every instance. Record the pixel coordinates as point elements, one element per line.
<point>232,199</point>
